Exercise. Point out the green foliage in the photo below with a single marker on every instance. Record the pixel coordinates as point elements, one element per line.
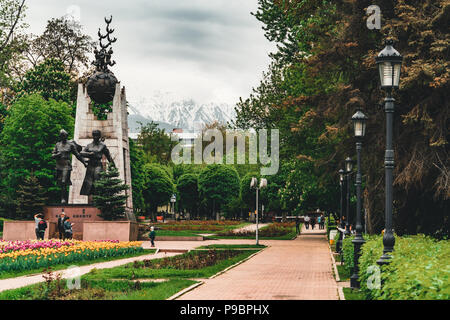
<point>49,80</point>
<point>27,141</point>
<point>248,195</point>
<point>158,186</point>
<point>30,198</point>
<point>156,143</point>
<point>101,110</point>
<point>64,40</point>
<point>3,115</point>
<point>218,186</point>
<point>110,194</point>
<point>137,177</point>
<point>187,190</point>
<point>419,269</point>
<point>348,254</point>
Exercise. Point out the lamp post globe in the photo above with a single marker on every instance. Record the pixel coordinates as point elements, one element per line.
<point>389,63</point>
<point>359,120</point>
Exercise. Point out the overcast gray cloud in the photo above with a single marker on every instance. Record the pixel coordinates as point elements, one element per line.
<point>208,50</point>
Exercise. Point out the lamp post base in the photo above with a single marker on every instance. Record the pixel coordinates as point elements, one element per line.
<point>354,279</point>
<point>384,259</point>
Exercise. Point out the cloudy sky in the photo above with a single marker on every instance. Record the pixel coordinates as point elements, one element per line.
<point>208,50</point>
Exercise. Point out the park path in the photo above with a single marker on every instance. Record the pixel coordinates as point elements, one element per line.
<point>299,269</point>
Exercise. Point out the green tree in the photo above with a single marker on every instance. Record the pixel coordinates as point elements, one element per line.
<point>50,80</point>
<point>30,198</point>
<point>156,143</point>
<point>109,194</point>
<point>12,41</point>
<point>218,186</point>
<point>187,190</point>
<point>64,40</point>
<point>3,115</point>
<point>248,195</point>
<point>27,140</point>
<point>137,177</point>
<point>158,187</point>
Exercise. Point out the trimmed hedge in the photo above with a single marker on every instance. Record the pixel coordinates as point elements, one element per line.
<point>419,269</point>
<point>347,254</point>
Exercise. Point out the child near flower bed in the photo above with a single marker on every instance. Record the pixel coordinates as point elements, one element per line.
<point>152,235</point>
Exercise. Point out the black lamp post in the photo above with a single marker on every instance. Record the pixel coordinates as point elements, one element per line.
<point>389,63</point>
<point>341,184</point>
<point>348,171</point>
<point>359,125</point>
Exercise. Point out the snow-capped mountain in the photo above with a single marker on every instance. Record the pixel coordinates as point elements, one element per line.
<point>182,113</point>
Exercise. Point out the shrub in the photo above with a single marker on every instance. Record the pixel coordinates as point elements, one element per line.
<point>347,254</point>
<point>419,269</point>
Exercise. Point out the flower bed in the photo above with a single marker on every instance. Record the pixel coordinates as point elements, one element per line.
<point>276,229</point>
<point>26,255</point>
<point>204,222</point>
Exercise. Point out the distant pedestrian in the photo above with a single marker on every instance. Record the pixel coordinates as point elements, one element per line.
<point>313,223</point>
<point>322,222</point>
<point>61,219</point>
<point>319,222</point>
<point>68,232</point>
<point>297,225</point>
<point>307,220</point>
<point>152,235</point>
<point>42,225</point>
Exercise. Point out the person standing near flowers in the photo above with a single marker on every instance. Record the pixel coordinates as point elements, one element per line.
<point>68,228</point>
<point>61,219</point>
<point>36,224</point>
<point>42,225</point>
<point>152,235</point>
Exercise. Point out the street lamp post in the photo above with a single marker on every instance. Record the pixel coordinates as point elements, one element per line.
<point>389,63</point>
<point>341,184</point>
<point>348,171</point>
<point>254,184</point>
<point>359,124</point>
<point>173,199</point>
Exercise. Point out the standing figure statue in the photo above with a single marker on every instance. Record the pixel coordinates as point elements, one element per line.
<point>62,153</point>
<point>94,152</point>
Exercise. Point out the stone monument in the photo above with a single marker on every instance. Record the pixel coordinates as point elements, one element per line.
<point>103,140</point>
<point>101,88</point>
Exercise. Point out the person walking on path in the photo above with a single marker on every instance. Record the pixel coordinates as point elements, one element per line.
<point>61,219</point>
<point>42,225</point>
<point>319,222</point>
<point>152,235</point>
<point>322,221</point>
<point>313,223</point>
<point>37,218</point>
<point>297,225</point>
<point>68,232</point>
<point>307,219</point>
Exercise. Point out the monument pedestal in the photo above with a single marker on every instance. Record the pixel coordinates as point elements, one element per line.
<point>78,213</point>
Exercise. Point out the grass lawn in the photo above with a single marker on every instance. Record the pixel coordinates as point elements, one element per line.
<point>232,246</point>
<point>289,236</point>
<point>14,274</point>
<point>343,274</point>
<point>120,283</point>
<point>103,290</point>
<point>353,294</point>
<point>196,233</point>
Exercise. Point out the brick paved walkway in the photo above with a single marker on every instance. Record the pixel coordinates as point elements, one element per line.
<point>299,269</point>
